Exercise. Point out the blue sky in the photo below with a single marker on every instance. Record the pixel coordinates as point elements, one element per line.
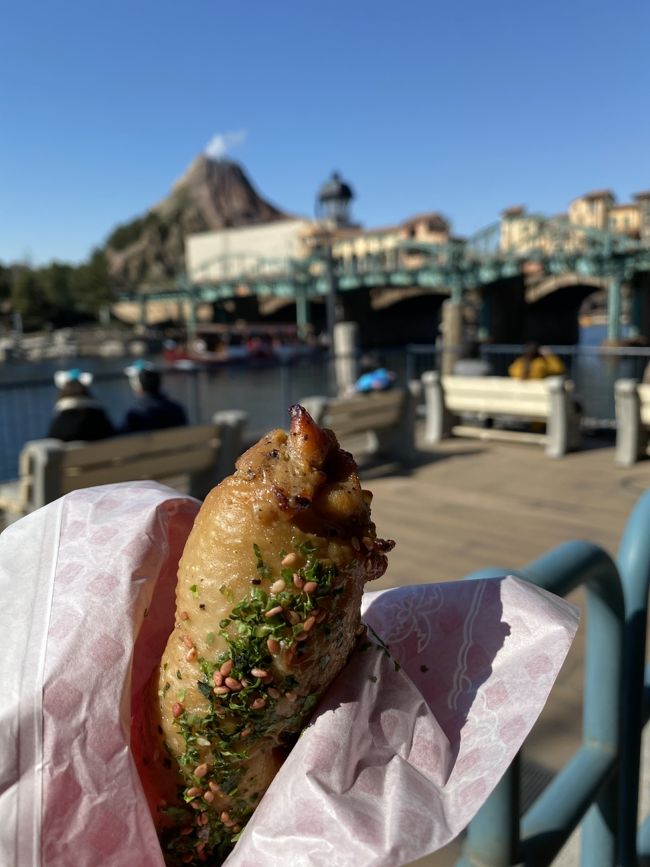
<point>463,107</point>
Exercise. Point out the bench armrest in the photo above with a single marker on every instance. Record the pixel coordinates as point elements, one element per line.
<point>631,436</point>
<point>41,462</point>
<point>437,423</point>
<point>230,424</point>
<point>563,426</point>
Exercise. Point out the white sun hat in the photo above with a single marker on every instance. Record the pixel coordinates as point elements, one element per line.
<point>139,365</point>
<point>63,377</point>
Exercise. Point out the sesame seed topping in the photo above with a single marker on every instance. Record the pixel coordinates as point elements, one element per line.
<point>309,622</point>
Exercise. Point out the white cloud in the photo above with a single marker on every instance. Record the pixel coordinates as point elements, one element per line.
<point>222,143</point>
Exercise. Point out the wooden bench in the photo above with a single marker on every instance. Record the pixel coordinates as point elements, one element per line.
<point>458,404</point>
<point>378,424</point>
<point>632,421</point>
<point>49,468</point>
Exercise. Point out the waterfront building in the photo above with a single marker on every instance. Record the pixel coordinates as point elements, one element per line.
<point>597,210</point>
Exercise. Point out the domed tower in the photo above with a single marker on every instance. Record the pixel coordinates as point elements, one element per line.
<point>333,202</point>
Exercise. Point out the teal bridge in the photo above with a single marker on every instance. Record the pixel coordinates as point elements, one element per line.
<point>550,255</point>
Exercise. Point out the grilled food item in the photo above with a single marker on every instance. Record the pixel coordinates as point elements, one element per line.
<point>267,612</point>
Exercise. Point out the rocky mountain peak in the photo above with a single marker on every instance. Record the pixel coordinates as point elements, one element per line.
<point>210,195</point>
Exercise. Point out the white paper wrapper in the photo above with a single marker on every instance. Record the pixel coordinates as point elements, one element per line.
<point>394,764</point>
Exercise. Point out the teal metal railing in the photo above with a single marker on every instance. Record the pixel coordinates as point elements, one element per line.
<point>599,787</point>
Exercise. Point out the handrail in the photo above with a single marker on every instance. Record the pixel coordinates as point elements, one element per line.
<point>634,564</point>
<point>601,782</point>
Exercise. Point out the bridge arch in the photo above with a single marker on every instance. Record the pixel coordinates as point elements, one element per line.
<point>558,282</point>
<point>552,311</point>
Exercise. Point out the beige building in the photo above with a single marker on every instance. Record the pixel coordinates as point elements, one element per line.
<point>592,209</point>
<point>230,253</point>
<point>597,210</point>
<point>352,244</point>
<point>265,249</point>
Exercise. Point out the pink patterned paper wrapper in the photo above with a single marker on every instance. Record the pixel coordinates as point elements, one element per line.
<point>402,751</point>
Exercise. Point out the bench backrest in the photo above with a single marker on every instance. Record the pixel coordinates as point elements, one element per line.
<point>379,410</point>
<point>381,423</point>
<point>152,455</point>
<point>497,395</point>
<point>206,453</point>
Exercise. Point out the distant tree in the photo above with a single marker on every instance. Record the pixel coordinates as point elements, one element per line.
<point>57,294</point>
<point>91,285</point>
<point>28,299</point>
<point>5,282</point>
<point>56,281</point>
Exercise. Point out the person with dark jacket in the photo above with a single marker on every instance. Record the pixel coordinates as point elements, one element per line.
<point>152,409</point>
<point>77,415</point>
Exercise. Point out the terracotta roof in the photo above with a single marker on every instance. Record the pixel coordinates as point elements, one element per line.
<point>514,211</point>
<point>442,225</point>
<point>598,194</point>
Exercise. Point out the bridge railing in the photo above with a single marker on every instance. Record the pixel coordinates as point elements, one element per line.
<point>600,785</point>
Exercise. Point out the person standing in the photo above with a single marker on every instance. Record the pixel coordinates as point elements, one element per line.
<point>152,409</point>
<point>77,415</point>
